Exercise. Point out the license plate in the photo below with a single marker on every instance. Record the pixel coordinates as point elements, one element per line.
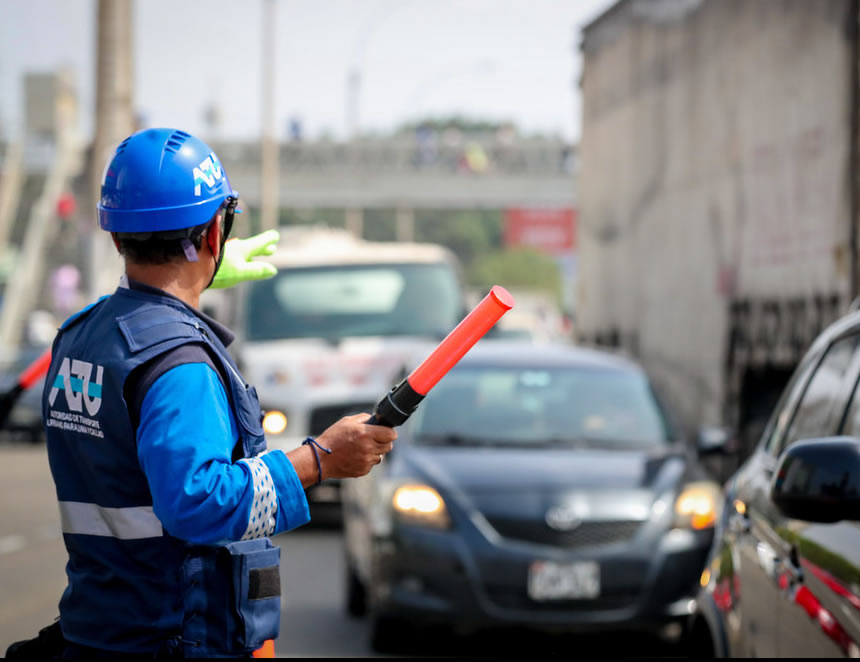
<point>564,581</point>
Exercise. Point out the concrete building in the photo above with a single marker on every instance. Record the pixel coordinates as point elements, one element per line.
<point>718,195</point>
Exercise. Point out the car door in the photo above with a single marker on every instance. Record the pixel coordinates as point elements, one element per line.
<point>819,615</point>
<point>750,622</point>
<point>759,547</point>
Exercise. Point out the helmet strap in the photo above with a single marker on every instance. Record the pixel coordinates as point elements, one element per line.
<point>227,225</point>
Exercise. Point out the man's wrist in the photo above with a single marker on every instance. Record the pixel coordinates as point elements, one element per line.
<point>319,451</point>
<point>305,464</point>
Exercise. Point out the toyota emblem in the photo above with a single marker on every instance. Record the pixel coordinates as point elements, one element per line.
<point>564,517</point>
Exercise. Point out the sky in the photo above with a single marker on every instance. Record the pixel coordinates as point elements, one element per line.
<point>514,60</point>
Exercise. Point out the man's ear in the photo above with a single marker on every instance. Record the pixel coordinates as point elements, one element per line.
<point>115,241</point>
<point>213,236</point>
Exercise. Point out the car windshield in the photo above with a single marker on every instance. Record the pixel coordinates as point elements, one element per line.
<point>334,302</point>
<point>502,406</point>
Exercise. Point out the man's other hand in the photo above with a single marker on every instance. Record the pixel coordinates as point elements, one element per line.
<point>356,447</point>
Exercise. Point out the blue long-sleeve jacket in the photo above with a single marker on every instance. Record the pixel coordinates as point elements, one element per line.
<point>198,493</point>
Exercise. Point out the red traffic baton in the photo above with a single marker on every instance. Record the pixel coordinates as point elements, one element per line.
<point>36,370</point>
<point>398,404</point>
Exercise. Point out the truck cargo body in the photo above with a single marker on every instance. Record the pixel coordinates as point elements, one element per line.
<point>717,193</point>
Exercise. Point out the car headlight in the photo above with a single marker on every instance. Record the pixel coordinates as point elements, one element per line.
<point>274,422</point>
<point>420,504</point>
<point>697,506</point>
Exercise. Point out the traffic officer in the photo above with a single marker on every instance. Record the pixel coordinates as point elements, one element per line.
<point>167,494</point>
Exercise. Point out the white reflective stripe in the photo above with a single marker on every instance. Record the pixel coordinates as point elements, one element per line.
<point>90,519</point>
<point>263,518</point>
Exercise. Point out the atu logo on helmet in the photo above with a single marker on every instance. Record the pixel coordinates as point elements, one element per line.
<point>73,379</point>
<point>208,171</point>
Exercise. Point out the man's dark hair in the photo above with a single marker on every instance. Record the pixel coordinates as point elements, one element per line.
<point>159,247</point>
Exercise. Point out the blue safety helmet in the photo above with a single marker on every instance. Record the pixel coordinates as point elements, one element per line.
<point>160,180</point>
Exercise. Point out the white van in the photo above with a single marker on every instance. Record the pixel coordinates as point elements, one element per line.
<point>333,331</point>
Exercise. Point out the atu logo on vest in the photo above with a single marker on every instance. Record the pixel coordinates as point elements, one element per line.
<point>74,380</point>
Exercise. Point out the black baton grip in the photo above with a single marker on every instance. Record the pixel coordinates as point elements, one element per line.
<point>396,406</point>
<point>374,421</point>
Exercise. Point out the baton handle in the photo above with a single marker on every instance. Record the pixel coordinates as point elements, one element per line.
<point>396,406</point>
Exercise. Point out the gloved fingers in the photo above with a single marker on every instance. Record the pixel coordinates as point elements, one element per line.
<point>264,243</point>
<point>260,270</point>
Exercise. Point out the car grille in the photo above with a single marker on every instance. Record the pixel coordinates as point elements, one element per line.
<point>587,534</point>
<point>323,417</point>
<point>511,598</point>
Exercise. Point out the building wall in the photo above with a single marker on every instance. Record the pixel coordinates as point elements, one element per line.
<point>713,178</point>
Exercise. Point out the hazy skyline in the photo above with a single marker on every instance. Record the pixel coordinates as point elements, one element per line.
<point>516,60</point>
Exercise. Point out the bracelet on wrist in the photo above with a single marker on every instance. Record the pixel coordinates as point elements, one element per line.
<point>310,441</point>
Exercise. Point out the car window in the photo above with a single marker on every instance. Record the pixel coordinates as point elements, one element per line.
<point>813,416</point>
<point>500,405</point>
<point>779,419</point>
<point>851,424</point>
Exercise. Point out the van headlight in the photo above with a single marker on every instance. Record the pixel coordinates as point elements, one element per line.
<point>274,422</point>
<point>697,506</point>
<point>420,504</point>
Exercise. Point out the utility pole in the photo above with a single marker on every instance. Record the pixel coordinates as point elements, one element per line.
<point>114,121</point>
<point>353,94</point>
<point>270,175</point>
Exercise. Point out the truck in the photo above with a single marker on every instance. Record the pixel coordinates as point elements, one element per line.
<point>718,193</point>
<point>334,330</point>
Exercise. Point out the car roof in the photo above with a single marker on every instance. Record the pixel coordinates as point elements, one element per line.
<point>504,353</point>
<point>848,323</point>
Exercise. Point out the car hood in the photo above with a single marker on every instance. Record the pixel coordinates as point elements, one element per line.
<point>610,484</point>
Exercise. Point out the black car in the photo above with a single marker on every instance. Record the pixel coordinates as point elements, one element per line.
<point>535,486</point>
<point>783,578</point>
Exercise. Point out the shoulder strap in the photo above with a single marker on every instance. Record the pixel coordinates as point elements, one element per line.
<point>149,326</point>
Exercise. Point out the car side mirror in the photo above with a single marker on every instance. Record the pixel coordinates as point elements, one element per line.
<point>713,439</point>
<point>818,480</point>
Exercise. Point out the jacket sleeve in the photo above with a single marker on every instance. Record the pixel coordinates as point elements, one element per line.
<point>185,439</point>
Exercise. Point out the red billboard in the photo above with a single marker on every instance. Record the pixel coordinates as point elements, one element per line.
<point>552,231</point>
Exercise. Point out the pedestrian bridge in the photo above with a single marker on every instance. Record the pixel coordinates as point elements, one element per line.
<point>408,173</point>
<point>441,171</point>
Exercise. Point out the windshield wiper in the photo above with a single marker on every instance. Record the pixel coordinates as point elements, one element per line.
<point>575,442</point>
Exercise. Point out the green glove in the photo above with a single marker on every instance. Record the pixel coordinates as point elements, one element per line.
<point>237,265</point>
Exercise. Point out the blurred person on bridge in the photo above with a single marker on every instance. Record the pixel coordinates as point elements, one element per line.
<point>167,494</point>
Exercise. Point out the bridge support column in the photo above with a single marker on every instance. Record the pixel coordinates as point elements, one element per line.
<point>355,220</point>
<point>405,228</point>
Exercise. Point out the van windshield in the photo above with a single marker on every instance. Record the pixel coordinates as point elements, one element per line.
<point>334,302</point>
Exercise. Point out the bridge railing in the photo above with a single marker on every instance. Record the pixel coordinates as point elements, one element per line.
<point>532,158</point>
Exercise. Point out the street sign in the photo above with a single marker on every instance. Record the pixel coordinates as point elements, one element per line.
<point>550,230</point>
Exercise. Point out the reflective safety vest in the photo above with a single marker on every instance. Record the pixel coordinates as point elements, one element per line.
<point>131,586</point>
